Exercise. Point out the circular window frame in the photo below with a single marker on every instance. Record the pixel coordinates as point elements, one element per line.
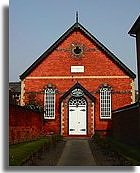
<point>74,48</point>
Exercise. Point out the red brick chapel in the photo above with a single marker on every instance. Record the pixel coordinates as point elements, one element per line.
<point>78,82</point>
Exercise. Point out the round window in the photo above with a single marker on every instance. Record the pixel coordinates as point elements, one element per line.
<point>77,50</point>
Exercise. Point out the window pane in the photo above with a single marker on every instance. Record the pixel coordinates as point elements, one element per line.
<point>105,103</point>
<point>49,103</point>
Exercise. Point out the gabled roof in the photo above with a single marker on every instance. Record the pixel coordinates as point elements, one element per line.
<point>78,86</point>
<point>135,27</point>
<point>78,26</point>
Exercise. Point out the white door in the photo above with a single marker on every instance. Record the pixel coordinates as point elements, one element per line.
<point>77,116</point>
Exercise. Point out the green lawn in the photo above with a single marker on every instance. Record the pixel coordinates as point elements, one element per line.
<point>18,153</point>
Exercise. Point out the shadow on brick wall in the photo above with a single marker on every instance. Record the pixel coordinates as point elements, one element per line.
<point>126,124</point>
<point>24,124</point>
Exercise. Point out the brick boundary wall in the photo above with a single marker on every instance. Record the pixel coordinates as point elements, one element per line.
<point>126,124</point>
<point>24,124</point>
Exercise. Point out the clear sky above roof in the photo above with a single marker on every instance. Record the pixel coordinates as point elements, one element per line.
<point>36,24</point>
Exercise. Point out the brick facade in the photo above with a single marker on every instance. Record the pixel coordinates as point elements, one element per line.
<point>126,124</point>
<point>99,68</point>
<point>24,124</point>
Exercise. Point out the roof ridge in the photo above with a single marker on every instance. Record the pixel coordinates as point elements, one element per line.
<point>77,25</point>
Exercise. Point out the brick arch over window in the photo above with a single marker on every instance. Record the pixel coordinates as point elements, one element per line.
<point>78,86</point>
<point>64,109</point>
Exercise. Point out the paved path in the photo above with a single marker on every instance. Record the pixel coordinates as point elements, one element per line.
<point>76,153</point>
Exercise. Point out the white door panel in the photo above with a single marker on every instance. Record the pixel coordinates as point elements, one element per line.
<point>72,120</point>
<point>81,117</point>
<point>77,120</point>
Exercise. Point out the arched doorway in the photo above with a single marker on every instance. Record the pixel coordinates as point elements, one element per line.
<point>77,116</point>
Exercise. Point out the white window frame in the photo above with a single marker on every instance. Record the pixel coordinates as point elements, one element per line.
<point>105,100</point>
<point>51,107</point>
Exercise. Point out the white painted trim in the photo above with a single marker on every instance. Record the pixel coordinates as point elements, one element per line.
<point>22,103</point>
<point>44,103</point>
<point>93,118</point>
<point>52,118</point>
<point>110,108</point>
<point>77,130</point>
<point>62,118</point>
<point>77,77</point>
<point>133,92</point>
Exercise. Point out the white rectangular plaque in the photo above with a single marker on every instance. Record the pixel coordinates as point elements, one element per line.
<point>77,69</point>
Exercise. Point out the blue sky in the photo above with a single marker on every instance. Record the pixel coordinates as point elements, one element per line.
<point>34,25</point>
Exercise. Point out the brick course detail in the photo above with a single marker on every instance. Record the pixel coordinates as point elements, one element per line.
<point>24,124</point>
<point>96,63</point>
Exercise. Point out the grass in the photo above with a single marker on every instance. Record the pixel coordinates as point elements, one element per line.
<point>18,153</point>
